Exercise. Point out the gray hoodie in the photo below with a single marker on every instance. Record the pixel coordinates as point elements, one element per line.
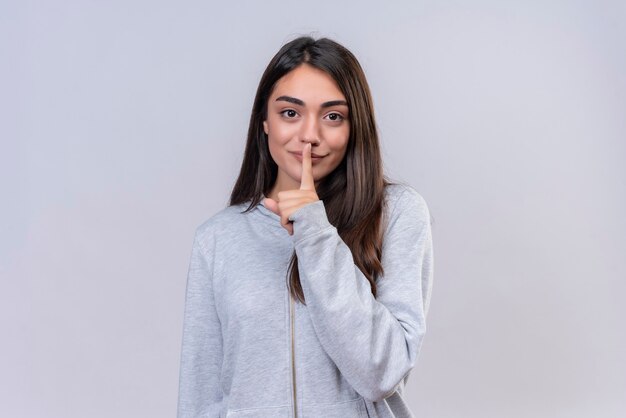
<point>249,350</point>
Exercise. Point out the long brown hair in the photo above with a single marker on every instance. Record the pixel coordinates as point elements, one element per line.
<point>353,194</point>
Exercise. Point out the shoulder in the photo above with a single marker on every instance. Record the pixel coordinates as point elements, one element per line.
<point>406,205</point>
<point>218,224</point>
<point>400,196</point>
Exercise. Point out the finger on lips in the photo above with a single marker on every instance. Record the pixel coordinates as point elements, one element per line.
<point>306,179</point>
<point>288,201</point>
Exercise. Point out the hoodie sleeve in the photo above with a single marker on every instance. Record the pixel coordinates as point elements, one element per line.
<point>374,342</point>
<point>199,392</point>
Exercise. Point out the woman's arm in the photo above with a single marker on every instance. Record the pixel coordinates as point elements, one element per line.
<point>199,392</point>
<point>373,341</point>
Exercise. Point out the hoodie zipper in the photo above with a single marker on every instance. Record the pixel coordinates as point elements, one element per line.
<point>293,357</point>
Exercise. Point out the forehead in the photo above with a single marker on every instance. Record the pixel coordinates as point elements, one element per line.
<point>307,81</point>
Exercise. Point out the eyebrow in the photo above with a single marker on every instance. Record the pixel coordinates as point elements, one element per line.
<point>301,103</point>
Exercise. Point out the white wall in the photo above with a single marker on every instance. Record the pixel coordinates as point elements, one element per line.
<point>123,125</point>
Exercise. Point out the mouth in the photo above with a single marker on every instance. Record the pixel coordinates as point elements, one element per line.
<point>315,158</point>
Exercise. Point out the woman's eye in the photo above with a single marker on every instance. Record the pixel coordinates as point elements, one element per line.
<point>289,113</point>
<point>335,117</point>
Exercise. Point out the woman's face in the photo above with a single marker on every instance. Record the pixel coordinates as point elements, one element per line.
<point>306,105</point>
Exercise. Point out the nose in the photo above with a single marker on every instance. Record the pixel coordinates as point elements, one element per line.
<point>310,131</point>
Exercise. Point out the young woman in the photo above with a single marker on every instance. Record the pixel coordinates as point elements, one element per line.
<point>307,295</point>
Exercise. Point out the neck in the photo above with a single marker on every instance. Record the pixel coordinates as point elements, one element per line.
<point>283,184</point>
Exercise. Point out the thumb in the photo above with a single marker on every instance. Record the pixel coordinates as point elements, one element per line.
<point>271,204</point>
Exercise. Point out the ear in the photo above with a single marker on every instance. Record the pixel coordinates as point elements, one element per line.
<point>265,127</point>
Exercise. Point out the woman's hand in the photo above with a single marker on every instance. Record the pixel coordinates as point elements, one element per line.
<point>290,201</point>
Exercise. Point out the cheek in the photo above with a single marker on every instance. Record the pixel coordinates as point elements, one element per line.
<point>275,138</point>
<point>280,133</point>
<point>277,141</point>
<point>338,141</point>
<point>275,150</point>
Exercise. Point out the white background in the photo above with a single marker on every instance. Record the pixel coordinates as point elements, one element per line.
<point>123,125</point>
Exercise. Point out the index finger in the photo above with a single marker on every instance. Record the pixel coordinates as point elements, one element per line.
<point>306,180</point>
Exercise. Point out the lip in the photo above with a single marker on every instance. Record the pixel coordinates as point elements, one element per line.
<point>313,155</point>
<point>315,159</point>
